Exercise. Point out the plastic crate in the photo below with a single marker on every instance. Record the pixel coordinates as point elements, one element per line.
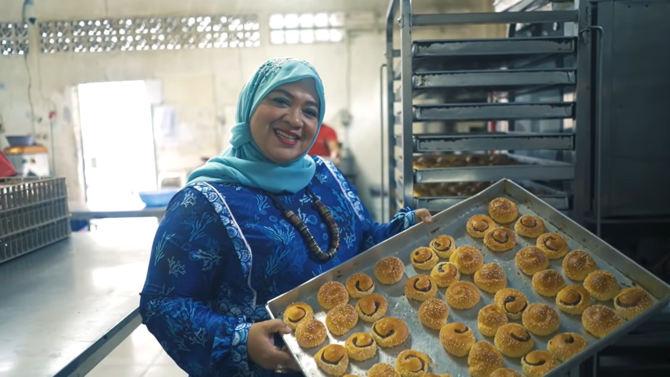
<point>33,214</point>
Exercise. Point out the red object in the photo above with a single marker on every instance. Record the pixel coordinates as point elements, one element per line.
<point>6,168</point>
<point>325,135</point>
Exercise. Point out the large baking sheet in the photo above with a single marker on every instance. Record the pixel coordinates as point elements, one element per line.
<point>452,222</point>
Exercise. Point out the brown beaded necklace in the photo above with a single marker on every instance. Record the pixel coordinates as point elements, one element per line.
<point>315,251</point>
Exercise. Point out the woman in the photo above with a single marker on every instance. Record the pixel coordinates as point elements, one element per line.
<point>253,223</point>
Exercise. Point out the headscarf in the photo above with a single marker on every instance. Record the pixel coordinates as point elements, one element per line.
<point>244,162</point>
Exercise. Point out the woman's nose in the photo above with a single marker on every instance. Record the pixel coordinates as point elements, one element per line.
<point>294,117</point>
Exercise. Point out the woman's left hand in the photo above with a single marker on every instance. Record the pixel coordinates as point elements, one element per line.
<point>423,216</point>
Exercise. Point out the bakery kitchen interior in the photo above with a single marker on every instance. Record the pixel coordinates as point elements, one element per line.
<point>334,188</point>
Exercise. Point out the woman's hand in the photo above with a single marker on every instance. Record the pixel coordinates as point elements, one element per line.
<point>423,216</point>
<point>261,346</point>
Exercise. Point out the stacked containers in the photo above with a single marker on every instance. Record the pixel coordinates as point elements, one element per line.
<point>33,214</point>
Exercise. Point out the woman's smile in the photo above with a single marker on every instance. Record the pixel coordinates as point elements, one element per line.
<point>287,137</point>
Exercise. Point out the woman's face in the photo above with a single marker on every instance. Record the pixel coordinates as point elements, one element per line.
<point>285,122</point>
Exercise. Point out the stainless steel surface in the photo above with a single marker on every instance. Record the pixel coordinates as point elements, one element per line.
<point>493,142</point>
<point>452,222</point>
<point>534,169</point>
<point>62,306</point>
<point>390,116</point>
<point>503,79</point>
<point>555,198</point>
<point>494,18</point>
<point>406,117</point>
<point>635,109</point>
<point>382,196</point>
<point>88,212</point>
<point>494,111</point>
<point>583,114</point>
<point>487,47</point>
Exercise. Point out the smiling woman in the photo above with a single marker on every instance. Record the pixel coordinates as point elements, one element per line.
<point>255,222</point>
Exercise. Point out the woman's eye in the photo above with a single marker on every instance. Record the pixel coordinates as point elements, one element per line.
<point>311,113</point>
<point>280,101</point>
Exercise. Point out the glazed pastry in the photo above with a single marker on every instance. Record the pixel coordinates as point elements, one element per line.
<point>529,226</point>
<point>602,285</point>
<point>631,302</point>
<point>390,332</point>
<point>467,259</point>
<point>443,246</point>
<point>478,225</point>
<point>504,372</point>
<point>332,294</point>
<point>489,319</point>
<point>382,370</point>
<point>310,333</point>
<point>513,340</point>
<point>445,274</point>
<point>423,258</point>
<point>573,299</point>
<point>371,307</point>
<point>360,347</point>
<point>359,285</point>
<point>389,270</point>
<point>457,339</point>
<point>600,320</point>
<point>436,375</point>
<point>554,245</point>
<point>565,346</point>
<point>500,239</point>
<point>433,313</point>
<point>341,319</point>
<point>412,363</point>
<point>531,260</point>
<point>491,278</point>
<point>462,295</point>
<point>297,313</point>
<point>538,363</point>
<point>548,282</point>
<point>484,359</point>
<point>578,264</point>
<point>503,210</point>
<point>332,359</point>
<point>540,319</point>
<point>511,301</point>
<point>420,288</point>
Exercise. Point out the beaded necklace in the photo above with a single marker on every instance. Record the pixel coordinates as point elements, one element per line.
<point>315,251</point>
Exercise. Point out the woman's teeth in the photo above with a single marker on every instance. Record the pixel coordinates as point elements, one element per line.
<point>286,136</point>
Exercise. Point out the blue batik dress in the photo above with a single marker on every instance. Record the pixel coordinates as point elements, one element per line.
<point>223,250</point>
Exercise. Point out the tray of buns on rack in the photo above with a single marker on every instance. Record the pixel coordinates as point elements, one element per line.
<point>501,284</point>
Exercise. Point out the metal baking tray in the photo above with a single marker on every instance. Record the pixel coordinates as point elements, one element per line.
<point>452,222</point>
<point>532,168</point>
<point>493,111</point>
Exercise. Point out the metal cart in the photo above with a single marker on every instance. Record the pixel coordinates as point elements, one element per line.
<point>521,88</point>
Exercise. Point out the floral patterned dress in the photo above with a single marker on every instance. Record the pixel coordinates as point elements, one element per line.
<point>223,250</point>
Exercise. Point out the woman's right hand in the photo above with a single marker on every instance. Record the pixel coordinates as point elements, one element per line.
<point>261,346</point>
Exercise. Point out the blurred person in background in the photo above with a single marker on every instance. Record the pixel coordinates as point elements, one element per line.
<point>326,144</point>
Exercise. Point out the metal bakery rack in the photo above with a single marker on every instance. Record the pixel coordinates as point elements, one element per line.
<point>519,89</point>
<point>33,214</point>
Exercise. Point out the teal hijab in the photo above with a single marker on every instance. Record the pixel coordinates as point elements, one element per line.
<point>244,162</point>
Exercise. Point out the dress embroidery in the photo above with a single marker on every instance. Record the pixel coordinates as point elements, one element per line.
<point>204,288</point>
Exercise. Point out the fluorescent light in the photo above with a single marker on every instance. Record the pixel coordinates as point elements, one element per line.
<point>335,35</point>
<point>307,21</point>
<point>292,36</point>
<point>321,20</point>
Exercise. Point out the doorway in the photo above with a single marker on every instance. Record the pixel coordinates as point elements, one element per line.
<point>118,142</point>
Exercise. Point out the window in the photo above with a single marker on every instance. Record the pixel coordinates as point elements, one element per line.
<point>13,38</point>
<point>306,28</point>
<point>155,33</point>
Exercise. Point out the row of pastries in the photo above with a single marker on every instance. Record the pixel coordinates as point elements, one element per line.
<point>514,340</point>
